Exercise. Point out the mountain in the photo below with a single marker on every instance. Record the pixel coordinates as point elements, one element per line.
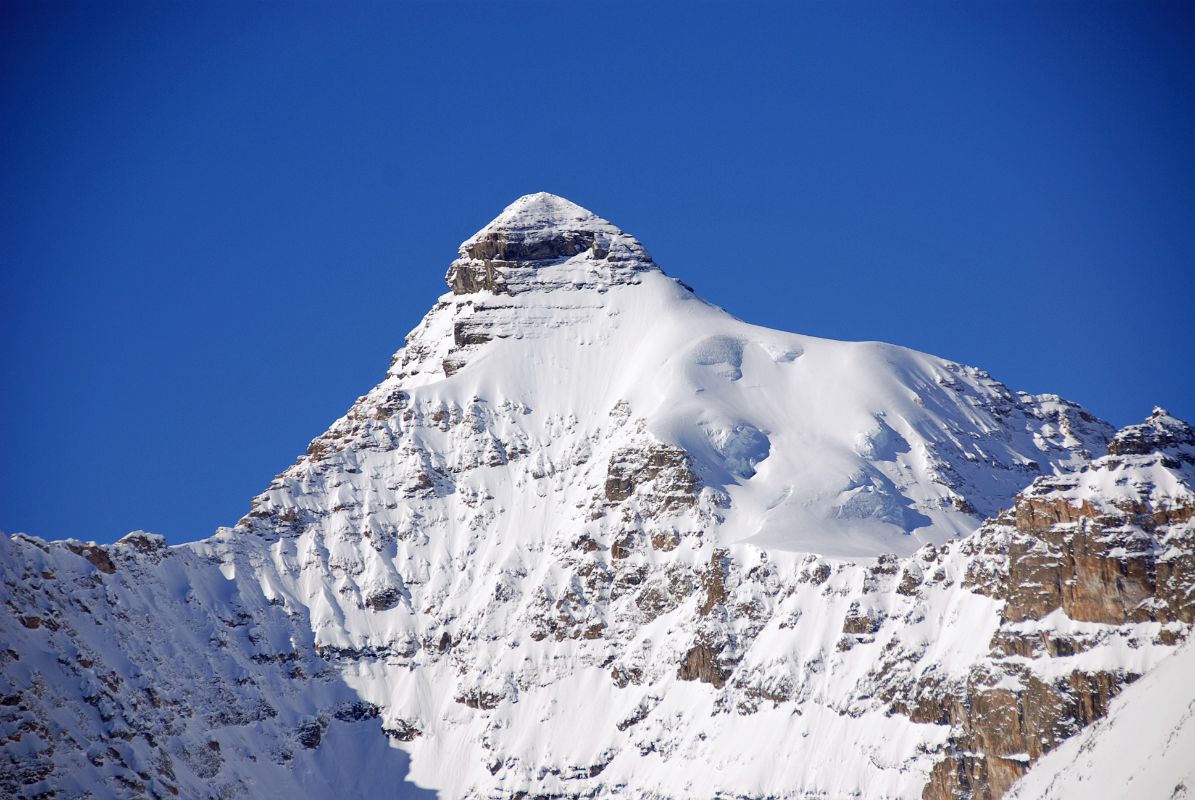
<point>592,536</point>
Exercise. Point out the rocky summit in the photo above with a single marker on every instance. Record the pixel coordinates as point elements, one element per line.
<point>593,537</point>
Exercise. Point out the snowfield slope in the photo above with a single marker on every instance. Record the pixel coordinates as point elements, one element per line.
<point>594,537</point>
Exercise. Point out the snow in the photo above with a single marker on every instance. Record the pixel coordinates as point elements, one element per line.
<point>452,540</point>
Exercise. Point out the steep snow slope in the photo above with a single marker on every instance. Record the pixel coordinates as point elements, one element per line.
<point>1144,748</point>
<point>592,536</point>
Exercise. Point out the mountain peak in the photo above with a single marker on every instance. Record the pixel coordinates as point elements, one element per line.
<point>1161,432</point>
<point>544,211</point>
<point>545,230</point>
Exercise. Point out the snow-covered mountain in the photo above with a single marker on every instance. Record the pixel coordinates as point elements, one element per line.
<point>592,536</point>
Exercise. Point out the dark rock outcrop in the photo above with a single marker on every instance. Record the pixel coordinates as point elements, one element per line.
<point>702,664</point>
<point>663,466</point>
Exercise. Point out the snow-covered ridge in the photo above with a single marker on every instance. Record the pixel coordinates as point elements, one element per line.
<point>592,536</point>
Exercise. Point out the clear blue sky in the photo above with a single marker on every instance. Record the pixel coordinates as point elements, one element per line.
<point>219,220</point>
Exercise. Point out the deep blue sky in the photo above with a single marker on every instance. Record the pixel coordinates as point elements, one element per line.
<point>217,221</point>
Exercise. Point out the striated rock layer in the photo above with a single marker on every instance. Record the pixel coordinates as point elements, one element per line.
<point>593,537</point>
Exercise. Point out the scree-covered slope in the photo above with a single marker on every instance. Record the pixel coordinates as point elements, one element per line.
<point>592,536</point>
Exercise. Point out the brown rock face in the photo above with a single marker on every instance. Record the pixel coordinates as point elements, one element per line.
<point>518,246</point>
<point>1001,731</point>
<point>474,698</point>
<point>96,555</point>
<point>470,278</point>
<point>860,621</point>
<point>701,664</point>
<point>1098,565</point>
<point>665,467</point>
<point>714,582</point>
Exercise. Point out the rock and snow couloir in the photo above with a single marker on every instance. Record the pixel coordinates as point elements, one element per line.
<point>594,537</point>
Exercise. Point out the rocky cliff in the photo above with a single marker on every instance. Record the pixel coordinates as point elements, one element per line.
<point>593,537</point>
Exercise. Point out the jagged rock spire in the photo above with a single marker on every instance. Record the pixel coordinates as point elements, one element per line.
<point>542,230</point>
